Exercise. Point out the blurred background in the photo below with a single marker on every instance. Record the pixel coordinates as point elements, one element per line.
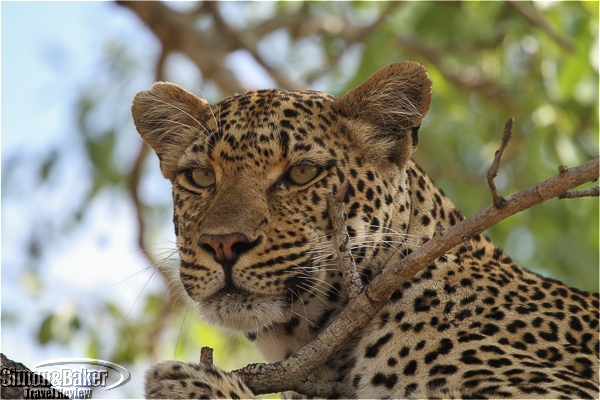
<point>88,261</point>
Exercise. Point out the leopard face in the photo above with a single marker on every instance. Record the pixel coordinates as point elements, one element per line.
<point>251,175</point>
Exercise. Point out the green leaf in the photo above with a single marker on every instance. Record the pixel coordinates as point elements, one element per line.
<point>75,323</point>
<point>48,165</point>
<point>45,333</point>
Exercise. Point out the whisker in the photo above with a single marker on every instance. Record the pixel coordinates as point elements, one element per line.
<point>141,291</point>
<point>209,106</point>
<point>186,113</point>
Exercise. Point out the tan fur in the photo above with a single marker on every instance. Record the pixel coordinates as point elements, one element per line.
<point>168,118</point>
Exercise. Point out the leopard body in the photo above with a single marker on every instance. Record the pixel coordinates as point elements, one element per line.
<point>250,178</point>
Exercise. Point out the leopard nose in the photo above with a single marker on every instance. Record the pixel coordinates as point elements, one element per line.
<point>223,247</point>
<point>226,249</point>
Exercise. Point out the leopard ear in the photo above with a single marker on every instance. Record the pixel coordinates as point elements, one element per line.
<point>387,109</point>
<point>168,118</point>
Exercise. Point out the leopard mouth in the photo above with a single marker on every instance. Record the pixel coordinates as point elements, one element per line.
<point>230,291</point>
<point>237,309</point>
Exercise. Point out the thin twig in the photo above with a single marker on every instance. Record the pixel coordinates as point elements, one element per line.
<point>486,88</point>
<point>206,356</point>
<point>467,241</point>
<point>350,35</point>
<point>244,40</point>
<point>440,229</point>
<point>134,180</point>
<point>173,300</point>
<point>340,239</point>
<point>528,12</point>
<point>176,32</point>
<point>160,64</point>
<point>574,194</point>
<point>499,201</point>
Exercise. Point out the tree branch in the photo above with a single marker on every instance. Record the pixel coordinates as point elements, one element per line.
<point>250,43</point>
<point>176,32</point>
<point>340,239</point>
<point>528,12</point>
<point>173,300</point>
<point>499,200</point>
<point>208,49</point>
<point>485,88</point>
<point>206,355</point>
<point>573,194</point>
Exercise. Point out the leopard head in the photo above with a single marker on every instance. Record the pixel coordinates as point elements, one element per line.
<point>250,178</point>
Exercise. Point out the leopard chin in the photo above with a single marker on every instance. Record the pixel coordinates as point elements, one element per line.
<point>243,311</point>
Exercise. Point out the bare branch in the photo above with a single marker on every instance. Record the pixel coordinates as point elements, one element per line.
<point>176,32</point>
<point>283,376</point>
<point>134,180</point>
<point>292,373</point>
<point>440,230</point>
<point>467,242</point>
<point>530,13</point>
<point>499,201</point>
<point>250,43</point>
<point>206,355</point>
<point>160,65</point>
<point>340,238</point>
<point>574,194</point>
<point>208,50</point>
<point>485,88</point>
<point>359,35</point>
<point>173,299</point>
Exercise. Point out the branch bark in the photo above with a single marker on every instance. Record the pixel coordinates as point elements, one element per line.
<point>487,89</point>
<point>340,240</point>
<point>574,194</point>
<point>176,32</point>
<point>292,373</point>
<point>209,48</point>
<point>17,392</point>
<point>530,14</point>
<point>508,128</point>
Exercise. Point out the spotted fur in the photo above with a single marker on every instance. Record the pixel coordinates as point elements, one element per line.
<point>256,254</point>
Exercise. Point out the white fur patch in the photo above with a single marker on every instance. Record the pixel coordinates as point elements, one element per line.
<point>244,312</point>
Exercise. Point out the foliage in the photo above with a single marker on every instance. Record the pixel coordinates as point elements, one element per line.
<point>488,61</point>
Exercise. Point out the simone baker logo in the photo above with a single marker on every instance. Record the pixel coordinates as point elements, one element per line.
<point>74,378</point>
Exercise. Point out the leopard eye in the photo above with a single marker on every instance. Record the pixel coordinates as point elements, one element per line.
<point>303,173</point>
<point>202,177</point>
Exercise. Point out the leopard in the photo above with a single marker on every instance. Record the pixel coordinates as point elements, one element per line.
<point>250,177</point>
